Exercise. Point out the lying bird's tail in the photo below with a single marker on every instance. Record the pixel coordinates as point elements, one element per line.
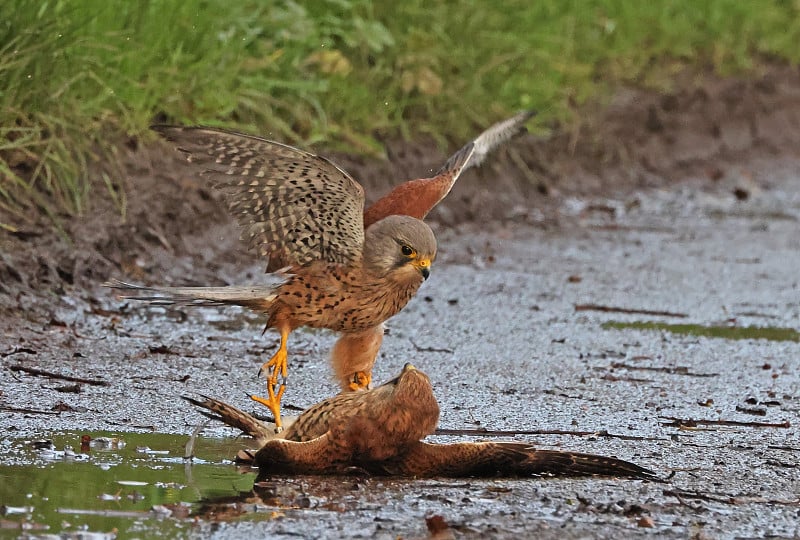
<point>255,297</point>
<point>247,423</point>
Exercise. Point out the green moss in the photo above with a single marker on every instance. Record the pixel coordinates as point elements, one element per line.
<point>725,332</point>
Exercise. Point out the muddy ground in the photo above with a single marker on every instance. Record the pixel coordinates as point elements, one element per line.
<point>685,204</point>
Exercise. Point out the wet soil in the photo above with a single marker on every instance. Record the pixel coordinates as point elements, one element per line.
<point>566,266</point>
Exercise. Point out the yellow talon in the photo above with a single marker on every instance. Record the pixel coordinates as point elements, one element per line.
<point>273,403</point>
<point>360,381</point>
<point>276,366</point>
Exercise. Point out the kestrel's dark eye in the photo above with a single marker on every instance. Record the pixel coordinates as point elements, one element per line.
<point>407,251</point>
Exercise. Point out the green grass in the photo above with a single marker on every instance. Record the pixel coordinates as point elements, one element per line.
<point>79,76</point>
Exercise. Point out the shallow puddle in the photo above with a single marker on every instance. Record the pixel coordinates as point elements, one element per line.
<point>142,486</point>
<point>725,332</point>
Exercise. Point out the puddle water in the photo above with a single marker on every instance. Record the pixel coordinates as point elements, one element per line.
<point>142,486</point>
<point>725,332</point>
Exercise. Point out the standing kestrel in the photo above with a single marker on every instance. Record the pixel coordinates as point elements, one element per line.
<point>335,265</point>
<point>380,431</point>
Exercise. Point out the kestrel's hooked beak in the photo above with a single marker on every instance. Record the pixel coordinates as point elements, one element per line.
<point>406,368</point>
<point>424,266</point>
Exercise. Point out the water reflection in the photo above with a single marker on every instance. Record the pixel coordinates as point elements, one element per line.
<point>141,484</point>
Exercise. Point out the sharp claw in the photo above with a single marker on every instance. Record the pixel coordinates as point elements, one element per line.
<point>276,374</point>
<point>360,381</point>
<point>273,403</point>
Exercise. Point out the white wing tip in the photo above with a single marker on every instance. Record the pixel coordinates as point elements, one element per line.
<point>499,133</point>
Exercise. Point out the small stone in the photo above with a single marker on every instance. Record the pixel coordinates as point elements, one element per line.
<point>646,522</point>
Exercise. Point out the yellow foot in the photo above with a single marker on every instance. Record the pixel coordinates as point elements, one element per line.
<point>273,403</point>
<point>277,365</point>
<point>360,381</point>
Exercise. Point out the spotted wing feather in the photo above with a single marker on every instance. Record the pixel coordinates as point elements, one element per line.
<point>291,204</point>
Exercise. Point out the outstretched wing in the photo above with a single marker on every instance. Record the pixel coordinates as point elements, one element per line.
<point>291,204</point>
<point>473,154</point>
<point>416,198</point>
<point>506,459</point>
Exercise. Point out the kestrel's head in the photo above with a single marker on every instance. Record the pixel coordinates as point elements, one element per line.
<point>400,245</point>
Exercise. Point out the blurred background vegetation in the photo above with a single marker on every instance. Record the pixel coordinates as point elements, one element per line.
<point>80,77</point>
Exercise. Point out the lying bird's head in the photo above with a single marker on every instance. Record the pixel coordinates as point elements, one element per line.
<point>402,247</point>
<point>410,377</point>
<point>411,394</point>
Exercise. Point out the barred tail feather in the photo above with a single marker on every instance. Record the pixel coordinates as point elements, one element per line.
<point>256,297</point>
<point>233,417</point>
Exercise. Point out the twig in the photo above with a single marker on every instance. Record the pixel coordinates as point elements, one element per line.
<point>18,350</point>
<point>679,496</point>
<point>677,370</point>
<point>632,228</point>
<point>725,498</point>
<point>27,411</point>
<point>188,454</point>
<point>51,375</point>
<point>689,423</point>
<point>614,378</point>
<point>510,433</point>
<point>527,172</point>
<point>612,309</point>
<point>430,349</point>
<point>786,448</point>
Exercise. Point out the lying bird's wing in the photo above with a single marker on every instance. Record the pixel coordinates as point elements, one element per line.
<point>506,459</point>
<point>321,455</point>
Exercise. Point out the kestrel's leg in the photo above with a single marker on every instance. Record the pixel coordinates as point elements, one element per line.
<point>277,366</point>
<point>360,381</point>
<point>353,356</point>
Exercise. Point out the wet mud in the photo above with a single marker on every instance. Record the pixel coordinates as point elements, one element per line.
<point>578,318</point>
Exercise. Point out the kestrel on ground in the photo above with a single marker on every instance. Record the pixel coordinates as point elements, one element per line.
<point>334,265</point>
<point>380,431</point>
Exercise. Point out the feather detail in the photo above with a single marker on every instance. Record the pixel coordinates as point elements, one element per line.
<point>256,297</point>
<point>416,198</point>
